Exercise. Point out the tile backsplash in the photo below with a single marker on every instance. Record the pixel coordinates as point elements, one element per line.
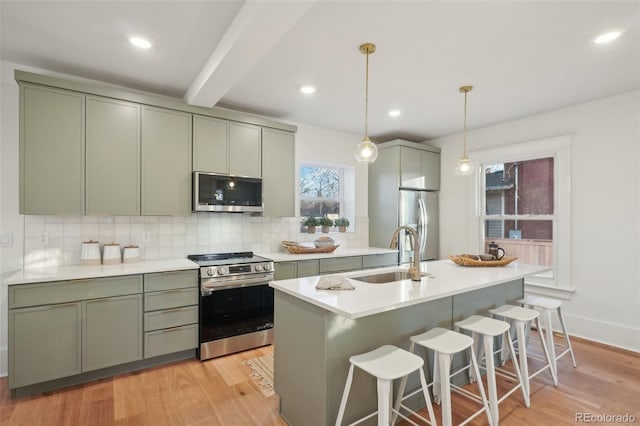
<point>56,240</point>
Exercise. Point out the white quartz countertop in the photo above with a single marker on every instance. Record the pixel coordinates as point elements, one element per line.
<point>367,299</point>
<point>339,252</point>
<point>76,272</point>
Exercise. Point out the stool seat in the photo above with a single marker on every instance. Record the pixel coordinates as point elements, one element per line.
<point>387,362</point>
<point>541,302</point>
<point>515,313</point>
<point>443,341</point>
<point>483,325</point>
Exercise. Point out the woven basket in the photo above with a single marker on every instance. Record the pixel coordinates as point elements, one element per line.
<point>294,248</point>
<point>467,260</point>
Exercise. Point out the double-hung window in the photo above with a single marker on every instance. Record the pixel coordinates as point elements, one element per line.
<point>321,191</point>
<point>524,204</point>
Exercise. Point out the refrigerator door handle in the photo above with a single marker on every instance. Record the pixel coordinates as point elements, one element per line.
<point>422,226</point>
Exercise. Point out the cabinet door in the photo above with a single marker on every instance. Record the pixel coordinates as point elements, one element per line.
<point>51,151</point>
<point>44,343</point>
<point>286,270</point>
<point>430,162</point>
<point>210,145</point>
<point>166,162</point>
<point>111,331</point>
<point>278,172</point>
<point>245,150</point>
<point>419,169</point>
<point>308,268</point>
<point>113,157</point>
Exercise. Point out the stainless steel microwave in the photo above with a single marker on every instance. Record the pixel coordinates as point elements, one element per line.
<point>225,193</point>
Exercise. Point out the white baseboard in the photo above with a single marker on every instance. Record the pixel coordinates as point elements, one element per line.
<point>609,333</point>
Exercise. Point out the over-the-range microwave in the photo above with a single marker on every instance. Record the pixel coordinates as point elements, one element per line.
<point>225,193</point>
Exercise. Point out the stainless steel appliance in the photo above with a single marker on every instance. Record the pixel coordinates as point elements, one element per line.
<point>236,302</point>
<point>419,210</point>
<point>226,193</point>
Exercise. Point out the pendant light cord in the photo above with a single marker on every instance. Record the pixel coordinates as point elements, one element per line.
<point>366,98</point>
<point>465,125</point>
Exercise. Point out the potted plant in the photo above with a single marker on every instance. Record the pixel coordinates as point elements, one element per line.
<point>311,223</point>
<point>342,224</point>
<point>326,224</point>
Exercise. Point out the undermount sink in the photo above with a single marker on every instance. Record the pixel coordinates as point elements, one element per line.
<point>387,277</point>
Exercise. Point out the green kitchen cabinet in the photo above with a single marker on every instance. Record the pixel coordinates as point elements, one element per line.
<point>419,169</point>
<point>210,144</point>
<point>382,260</point>
<point>278,172</point>
<point>111,331</point>
<point>52,156</point>
<point>166,162</point>
<point>112,157</point>
<point>285,270</point>
<point>340,264</point>
<point>308,268</point>
<point>245,150</point>
<point>44,343</point>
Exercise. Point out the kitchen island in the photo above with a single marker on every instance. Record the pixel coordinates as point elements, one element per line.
<point>316,331</point>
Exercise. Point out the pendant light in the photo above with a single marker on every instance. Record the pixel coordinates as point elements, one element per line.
<point>366,151</point>
<point>465,167</point>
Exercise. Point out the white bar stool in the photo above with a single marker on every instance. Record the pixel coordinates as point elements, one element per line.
<point>548,305</point>
<point>487,329</point>
<point>521,317</point>
<point>446,343</point>
<point>387,363</point>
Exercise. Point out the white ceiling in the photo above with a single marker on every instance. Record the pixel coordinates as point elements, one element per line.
<point>522,57</point>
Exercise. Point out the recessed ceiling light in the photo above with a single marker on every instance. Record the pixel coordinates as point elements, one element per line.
<point>394,113</point>
<point>140,42</point>
<point>307,90</point>
<point>607,37</point>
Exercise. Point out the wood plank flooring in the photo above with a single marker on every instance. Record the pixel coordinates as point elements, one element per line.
<point>221,392</point>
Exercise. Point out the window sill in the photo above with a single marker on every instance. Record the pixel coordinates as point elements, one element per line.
<point>548,290</point>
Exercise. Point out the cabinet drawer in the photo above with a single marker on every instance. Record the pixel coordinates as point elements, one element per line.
<point>170,280</point>
<point>307,268</point>
<point>286,270</point>
<point>379,260</point>
<point>340,264</point>
<point>171,340</point>
<point>170,299</point>
<point>69,291</point>
<point>170,318</point>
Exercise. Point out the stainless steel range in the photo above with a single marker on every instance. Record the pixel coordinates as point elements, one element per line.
<point>236,302</point>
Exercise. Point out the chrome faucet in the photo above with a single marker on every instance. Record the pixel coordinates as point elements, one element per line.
<point>414,269</point>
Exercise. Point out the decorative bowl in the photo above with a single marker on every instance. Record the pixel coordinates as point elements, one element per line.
<point>324,242</point>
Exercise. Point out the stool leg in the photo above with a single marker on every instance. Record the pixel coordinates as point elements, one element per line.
<point>491,376</point>
<point>345,396</point>
<point>477,343</point>
<point>474,363</point>
<point>566,337</point>
<point>522,355</point>
<point>550,342</point>
<point>527,402</point>
<point>384,402</point>
<point>427,399</point>
<point>546,352</point>
<point>396,406</point>
<point>444,365</point>
<point>437,388</point>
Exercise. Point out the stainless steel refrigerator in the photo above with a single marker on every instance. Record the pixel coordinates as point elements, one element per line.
<point>419,210</point>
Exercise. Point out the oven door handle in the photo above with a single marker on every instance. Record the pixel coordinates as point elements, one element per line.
<point>218,284</point>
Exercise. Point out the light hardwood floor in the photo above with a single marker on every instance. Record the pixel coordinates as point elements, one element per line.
<point>220,392</point>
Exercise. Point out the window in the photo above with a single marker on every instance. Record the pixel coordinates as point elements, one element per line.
<point>321,191</point>
<point>524,205</point>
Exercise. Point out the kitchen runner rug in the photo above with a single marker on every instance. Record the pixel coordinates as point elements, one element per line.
<point>262,373</point>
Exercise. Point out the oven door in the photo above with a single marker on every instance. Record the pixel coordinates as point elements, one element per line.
<point>235,319</point>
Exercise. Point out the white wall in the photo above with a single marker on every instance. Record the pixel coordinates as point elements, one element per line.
<point>170,236</point>
<point>605,212</point>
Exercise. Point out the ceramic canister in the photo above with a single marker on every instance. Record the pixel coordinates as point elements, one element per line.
<point>111,254</point>
<point>90,253</point>
<point>131,254</point>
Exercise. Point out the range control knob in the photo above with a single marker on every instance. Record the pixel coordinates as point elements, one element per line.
<point>222,270</point>
<point>267,266</point>
<point>258,267</point>
<point>210,271</point>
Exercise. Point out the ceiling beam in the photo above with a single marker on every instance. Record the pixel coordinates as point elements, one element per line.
<point>254,31</point>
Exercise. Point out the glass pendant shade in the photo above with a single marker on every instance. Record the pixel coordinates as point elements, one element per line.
<point>464,167</point>
<point>366,151</point>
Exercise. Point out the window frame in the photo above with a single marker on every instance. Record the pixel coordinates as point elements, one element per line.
<point>341,177</point>
<point>559,148</point>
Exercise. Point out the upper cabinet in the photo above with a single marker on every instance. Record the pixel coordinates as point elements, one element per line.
<point>166,162</point>
<point>404,164</point>
<point>278,173</point>
<point>51,151</point>
<point>245,150</point>
<point>210,145</point>
<point>113,157</point>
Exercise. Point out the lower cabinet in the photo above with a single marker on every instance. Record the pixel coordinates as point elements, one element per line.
<point>311,267</point>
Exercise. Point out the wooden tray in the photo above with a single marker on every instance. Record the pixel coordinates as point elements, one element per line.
<point>463,260</point>
<point>294,248</point>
